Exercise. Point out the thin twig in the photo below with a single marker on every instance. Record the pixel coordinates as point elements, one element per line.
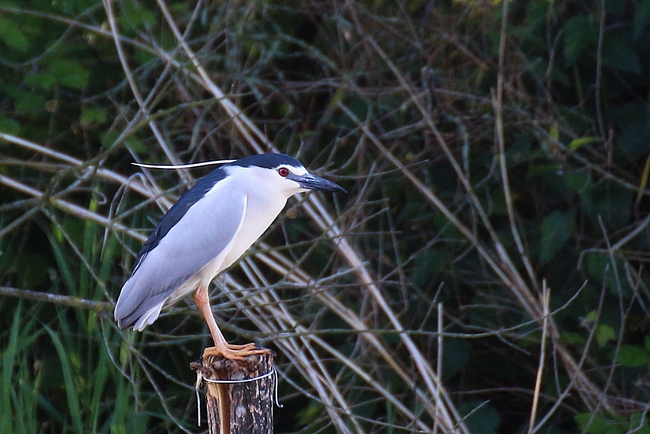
<point>58,299</point>
<point>546,297</point>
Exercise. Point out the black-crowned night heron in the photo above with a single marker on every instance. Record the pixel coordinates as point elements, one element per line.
<point>204,233</point>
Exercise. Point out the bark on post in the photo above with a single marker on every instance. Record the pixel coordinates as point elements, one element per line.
<point>244,407</point>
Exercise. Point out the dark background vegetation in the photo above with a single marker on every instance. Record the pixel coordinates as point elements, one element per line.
<point>486,273</point>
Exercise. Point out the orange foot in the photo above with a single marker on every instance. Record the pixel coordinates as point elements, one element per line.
<point>234,352</point>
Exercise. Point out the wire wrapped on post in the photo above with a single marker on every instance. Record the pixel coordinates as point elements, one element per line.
<point>239,395</point>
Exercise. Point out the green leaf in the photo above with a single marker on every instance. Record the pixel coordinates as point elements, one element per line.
<point>557,228</point>
<point>579,36</point>
<point>310,413</point>
<point>543,170</point>
<point>109,137</point>
<point>9,126</point>
<point>427,266</point>
<point>455,357</point>
<point>591,316</point>
<point>92,115</point>
<point>641,17</point>
<point>132,18</point>
<point>134,144</point>
<point>577,181</point>
<point>69,73</point>
<point>604,334</point>
<point>572,338</point>
<point>30,103</point>
<point>65,72</point>
<point>597,424</point>
<point>619,55</point>
<point>11,35</point>
<point>480,417</point>
<point>577,143</point>
<point>75,6</point>
<point>44,80</point>
<point>71,389</point>
<point>633,356</point>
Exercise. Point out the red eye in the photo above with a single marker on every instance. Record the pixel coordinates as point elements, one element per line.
<point>283,171</point>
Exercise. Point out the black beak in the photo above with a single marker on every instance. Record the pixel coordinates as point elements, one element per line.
<point>311,182</point>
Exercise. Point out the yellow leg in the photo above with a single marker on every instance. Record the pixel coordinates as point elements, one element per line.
<point>221,346</point>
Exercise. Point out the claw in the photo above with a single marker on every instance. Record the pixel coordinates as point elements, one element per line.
<point>234,352</point>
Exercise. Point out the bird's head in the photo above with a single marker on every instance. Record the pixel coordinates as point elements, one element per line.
<point>279,173</point>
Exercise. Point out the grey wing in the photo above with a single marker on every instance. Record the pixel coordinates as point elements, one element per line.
<point>204,232</point>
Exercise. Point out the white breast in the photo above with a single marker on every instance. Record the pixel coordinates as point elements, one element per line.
<point>262,207</point>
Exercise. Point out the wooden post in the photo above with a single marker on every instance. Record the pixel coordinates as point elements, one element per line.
<point>238,406</point>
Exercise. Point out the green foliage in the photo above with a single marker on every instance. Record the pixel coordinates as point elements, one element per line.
<point>12,36</point>
<point>580,37</point>
<point>604,335</point>
<point>601,424</point>
<point>557,228</point>
<point>582,141</point>
<point>634,355</point>
<point>92,115</point>
<point>641,18</point>
<point>619,55</point>
<point>62,72</point>
<point>9,126</point>
<point>481,417</point>
<point>456,356</point>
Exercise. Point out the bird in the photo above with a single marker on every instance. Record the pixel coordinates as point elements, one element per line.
<point>204,233</point>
